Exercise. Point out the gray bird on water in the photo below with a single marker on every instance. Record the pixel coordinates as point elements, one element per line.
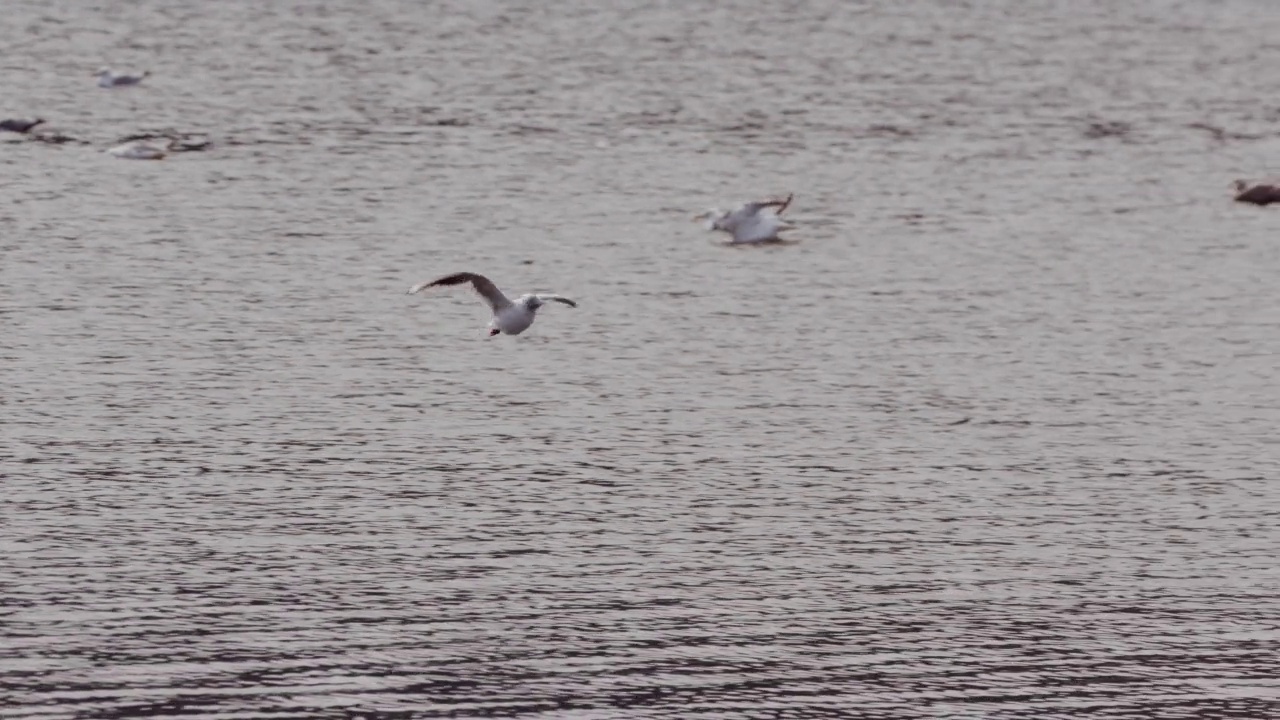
<point>19,126</point>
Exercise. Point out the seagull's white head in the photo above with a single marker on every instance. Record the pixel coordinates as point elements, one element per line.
<point>711,218</point>
<point>102,72</point>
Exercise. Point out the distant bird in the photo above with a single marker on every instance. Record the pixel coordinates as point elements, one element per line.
<point>57,139</point>
<point>750,223</point>
<point>509,317</point>
<point>181,145</point>
<point>139,151</point>
<point>108,79</point>
<point>177,142</point>
<point>19,126</point>
<point>1260,194</point>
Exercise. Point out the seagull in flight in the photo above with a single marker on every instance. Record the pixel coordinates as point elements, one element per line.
<point>751,223</point>
<point>509,316</point>
<point>108,79</point>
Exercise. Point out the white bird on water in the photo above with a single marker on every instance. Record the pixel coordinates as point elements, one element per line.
<point>510,317</point>
<point>140,151</point>
<point>108,79</point>
<point>750,223</point>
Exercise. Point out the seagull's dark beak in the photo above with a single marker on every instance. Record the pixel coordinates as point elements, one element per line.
<point>493,331</point>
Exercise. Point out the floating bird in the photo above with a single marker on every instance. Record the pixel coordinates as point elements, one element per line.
<point>108,79</point>
<point>57,139</point>
<point>139,151</point>
<point>510,317</point>
<point>19,126</point>
<point>751,223</point>
<point>177,142</point>
<point>1260,194</point>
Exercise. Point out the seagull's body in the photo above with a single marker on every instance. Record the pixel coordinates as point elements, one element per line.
<point>750,223</point>
<point>19,126</point>
<point>511,317</point>
<point>1260,194</point>
<point>108,79</point>
<point>139,151</point>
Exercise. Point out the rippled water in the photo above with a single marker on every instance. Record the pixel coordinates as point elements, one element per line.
<point>996,439</point>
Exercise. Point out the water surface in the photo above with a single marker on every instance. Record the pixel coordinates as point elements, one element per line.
<point>996,439</point>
